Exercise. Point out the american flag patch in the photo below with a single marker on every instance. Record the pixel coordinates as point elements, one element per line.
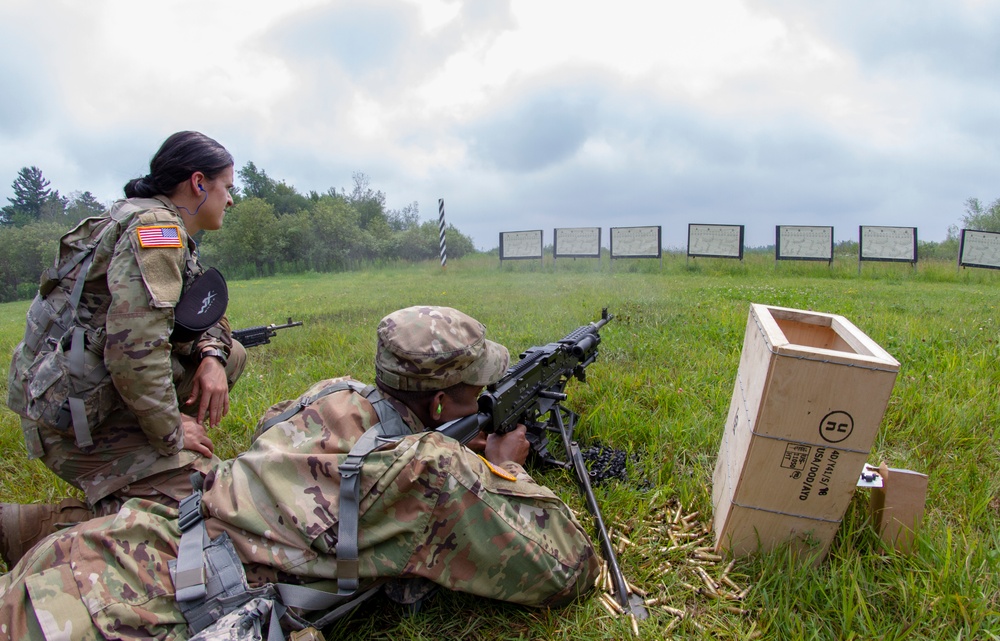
<point>166,236</point>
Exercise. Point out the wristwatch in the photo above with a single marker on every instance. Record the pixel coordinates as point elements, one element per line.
<point>216,352</point>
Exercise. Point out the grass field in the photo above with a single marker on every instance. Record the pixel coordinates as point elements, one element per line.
<point>661,390</point>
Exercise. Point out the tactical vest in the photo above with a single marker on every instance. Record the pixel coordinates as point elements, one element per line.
<point>209,580</point>
<point>57,374</point>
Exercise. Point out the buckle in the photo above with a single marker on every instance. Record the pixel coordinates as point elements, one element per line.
<point>189,511</point>
<point>350,467</point>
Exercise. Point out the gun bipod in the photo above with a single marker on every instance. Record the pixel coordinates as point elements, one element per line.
<point>629,602</point>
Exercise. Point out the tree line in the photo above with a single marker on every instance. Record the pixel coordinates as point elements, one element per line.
<point>272,228</point>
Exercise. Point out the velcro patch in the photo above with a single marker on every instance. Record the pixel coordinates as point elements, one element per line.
<point>160,236</point>
<point>504,474</point>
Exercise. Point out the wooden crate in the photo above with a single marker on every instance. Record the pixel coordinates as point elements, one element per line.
<point>809,396</point>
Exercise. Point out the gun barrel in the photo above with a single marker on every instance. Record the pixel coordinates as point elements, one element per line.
<point>261,334</point>
<point>290,323</point>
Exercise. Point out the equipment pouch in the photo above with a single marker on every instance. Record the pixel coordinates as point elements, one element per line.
<point>41,392</point>
<point>248,623</point>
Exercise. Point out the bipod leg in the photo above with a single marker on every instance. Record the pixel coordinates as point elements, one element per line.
<point>629,602</point>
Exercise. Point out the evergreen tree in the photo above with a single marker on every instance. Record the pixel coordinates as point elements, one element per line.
<point>83,205</point>
<point>31,194</point>
<point>54,207</point>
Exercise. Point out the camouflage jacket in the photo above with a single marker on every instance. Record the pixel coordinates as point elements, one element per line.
<point>430,508</point>
<point>128,301</point>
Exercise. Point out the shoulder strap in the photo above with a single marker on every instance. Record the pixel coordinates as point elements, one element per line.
<point>305,402</point>
<point>189,575</point>
<point>77,377</point>
<point>389,428</point>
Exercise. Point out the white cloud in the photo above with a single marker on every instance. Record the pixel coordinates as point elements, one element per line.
<point>590,113</point>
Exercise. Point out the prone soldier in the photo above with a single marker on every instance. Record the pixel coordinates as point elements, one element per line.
<point>348,483</point>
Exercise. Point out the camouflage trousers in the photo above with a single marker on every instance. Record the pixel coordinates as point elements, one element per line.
<point>103,579</point>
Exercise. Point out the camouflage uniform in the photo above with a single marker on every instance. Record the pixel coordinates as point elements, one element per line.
<point>129,297</point>
<point>430,508</point>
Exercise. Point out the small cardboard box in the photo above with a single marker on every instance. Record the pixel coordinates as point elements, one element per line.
<point>809,396</point>
<point>897,508</point>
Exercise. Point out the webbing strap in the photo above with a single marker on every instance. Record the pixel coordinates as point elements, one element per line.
<point>86,252</point>
<point>81,427</point>
<point>295,408</point>
<point>391,422</point>
<point>77,409</point>
<point>189,579</point>
<point>81,277</point>
<point>389,428</point>
<point>274,631</point>
<point>350,495</point>
<point>347,606</point>
<point>313,599</point>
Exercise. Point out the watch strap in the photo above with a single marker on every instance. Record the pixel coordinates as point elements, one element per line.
<point>213,351</point>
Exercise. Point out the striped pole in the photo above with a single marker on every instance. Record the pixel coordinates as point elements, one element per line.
<point>444,246</point>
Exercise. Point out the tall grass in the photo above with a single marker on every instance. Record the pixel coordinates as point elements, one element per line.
<point>661,389</point>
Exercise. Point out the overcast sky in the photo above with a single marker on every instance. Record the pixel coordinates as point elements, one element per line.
<point>530,114</point>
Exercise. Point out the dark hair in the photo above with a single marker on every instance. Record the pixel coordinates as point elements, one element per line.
<point>179,156</point>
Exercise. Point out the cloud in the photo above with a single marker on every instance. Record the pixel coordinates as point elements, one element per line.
<point>538,130</point>
<point>524,114</point>
<point>916,36</point>
<point>362,38</point>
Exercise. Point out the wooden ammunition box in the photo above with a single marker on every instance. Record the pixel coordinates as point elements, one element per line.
<point>809,396</point>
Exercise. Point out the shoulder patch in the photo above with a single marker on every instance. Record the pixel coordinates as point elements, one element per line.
<point>504,474</point>
<point>162,267</point>
<point>160,236</point>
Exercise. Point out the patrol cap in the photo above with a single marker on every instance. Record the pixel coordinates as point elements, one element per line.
<point>201,306</point>
<point>426,348</point>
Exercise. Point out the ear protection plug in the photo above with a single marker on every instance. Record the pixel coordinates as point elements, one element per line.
<point>439,408</point>
<point>200,188</point>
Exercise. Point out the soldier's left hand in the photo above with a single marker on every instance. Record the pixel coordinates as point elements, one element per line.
<point>195,438</point>
<point>477,444</point>
<point>210,391</point>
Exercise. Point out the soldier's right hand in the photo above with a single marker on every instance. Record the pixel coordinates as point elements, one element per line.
<point>512,446</point>
<point>195,437</point>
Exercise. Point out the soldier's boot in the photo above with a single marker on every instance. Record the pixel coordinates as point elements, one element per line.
<point>21,526</point>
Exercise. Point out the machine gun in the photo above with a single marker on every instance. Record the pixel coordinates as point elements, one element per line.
<point>262,334</point>
<point>531,393</point>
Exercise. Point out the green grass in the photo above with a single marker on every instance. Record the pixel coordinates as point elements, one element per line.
<point>661,389</point>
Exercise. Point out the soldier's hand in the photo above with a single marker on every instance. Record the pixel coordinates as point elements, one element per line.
<point>210,391</point>
<point>512,446</point>
<point>477,444</point>
<point>195,437</point>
